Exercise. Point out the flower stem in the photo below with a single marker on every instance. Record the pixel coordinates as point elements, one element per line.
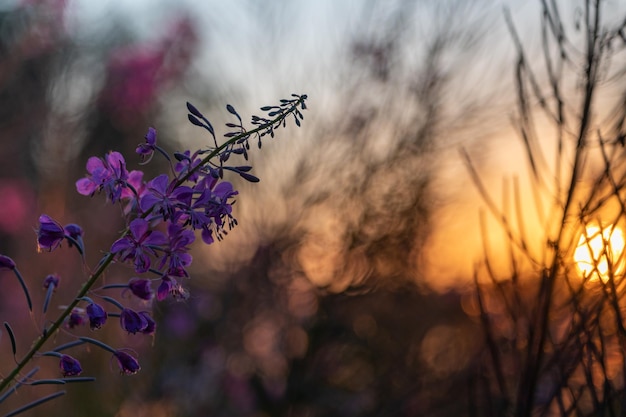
<point>38,344</point>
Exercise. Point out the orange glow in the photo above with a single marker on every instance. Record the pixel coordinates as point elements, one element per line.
<point>599,252</point>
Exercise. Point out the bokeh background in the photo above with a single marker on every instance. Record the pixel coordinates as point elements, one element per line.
<point>346,288</point>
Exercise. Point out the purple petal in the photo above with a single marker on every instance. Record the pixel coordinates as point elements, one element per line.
<point>95,165</point>
<point>151,136</point>
<point>160,184</point>
<point>115,160</point>
<point>148,201</point>
<point>86,186</point>
<point>138,228</point>
<point>121,244</point>
<point>155,238</point>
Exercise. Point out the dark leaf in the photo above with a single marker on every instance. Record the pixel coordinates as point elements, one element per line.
<point>35,403</point>
<point>192,109</point>
<point>248,177</point>
<point>79,379</point>
<point>195,121</point>
<point>48,381</point>
<point>12,337</point>
<point>181,156</point>
<point>232,110</point>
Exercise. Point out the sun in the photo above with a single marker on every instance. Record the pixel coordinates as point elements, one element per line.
<point>599,252</point>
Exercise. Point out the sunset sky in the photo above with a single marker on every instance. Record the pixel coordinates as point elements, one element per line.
<point>261,53</point>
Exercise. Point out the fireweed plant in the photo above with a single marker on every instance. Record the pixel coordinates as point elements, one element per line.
<point>162,215</point>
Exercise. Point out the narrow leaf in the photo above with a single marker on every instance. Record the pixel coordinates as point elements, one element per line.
<point>35,404</point>
<point>18,384</point>
<point>12,337</point>
<point>79,379</point>
<point>232,110</point>
<point>46,301</point>
<point>23,284</point>
<point>248,177</point>
<point>195,121</point>
<point>192,109</point>
<point>68,345</point>
<point>48,381</point>
<point>98,343</point>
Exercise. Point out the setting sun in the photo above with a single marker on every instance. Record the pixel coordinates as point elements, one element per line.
<point>606,247</point>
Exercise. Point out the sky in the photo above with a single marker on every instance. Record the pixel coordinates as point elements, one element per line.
<point>260,52</point>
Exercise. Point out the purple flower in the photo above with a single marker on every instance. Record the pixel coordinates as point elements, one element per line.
<point>185,164</point>
<point>170,286</point>
<point>132,322</point>
<point>146,150</point>
<point>151,327</point>
<point>177,254</point>
<point>139,244</point>
<point>74,235</point>
<point>141,288</point>
<point>52,279</point>
<point>70,366</point>
<point>163,198</point>
<point>97,316</point>
<point>50,233</point>
<point>6,262</point>
<point>128,364</point>
<point>76,318</point>
<point>74,231</point>
<point>108,175</point>
<point>165,288</point>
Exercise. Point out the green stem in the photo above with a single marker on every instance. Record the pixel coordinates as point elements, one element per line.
<point>106,261</point>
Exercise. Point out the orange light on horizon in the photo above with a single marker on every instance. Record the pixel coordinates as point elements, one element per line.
<point>599,252</point>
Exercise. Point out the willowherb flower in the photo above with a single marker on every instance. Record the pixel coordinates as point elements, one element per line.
<point>132,322</point>
<point>146,150</point>
<point>127,363</point>
<point>195,198</point>
<point>50,233</point>
<point>108,175</point>
<point>151,327</point>
<point>52,279</point>
<point>141,288</point>
<point>76,318</point>
<point>70,366</point>
<point>135,189</point>
<point>74,235</point>
<point>186,163</point>
<point>169,286</point>
<point>164,197</point>
<point>177,256</point>
<point>165,287</point>
<point>97,315</point>
<point>139,245</point>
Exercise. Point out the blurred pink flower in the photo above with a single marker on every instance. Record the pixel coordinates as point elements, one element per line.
<point>15,210</point>
<point>136,74</point>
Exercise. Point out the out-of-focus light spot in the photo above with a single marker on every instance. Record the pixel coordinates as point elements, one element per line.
<point>152,409</point>
<point>365,326</point>
<point>446,349</point>
<point>301,298</point>
<point>240,365</point>
<point>599,252</point>
<point>469,304</point>
<point>260,337</point>
<point>297,342</point>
